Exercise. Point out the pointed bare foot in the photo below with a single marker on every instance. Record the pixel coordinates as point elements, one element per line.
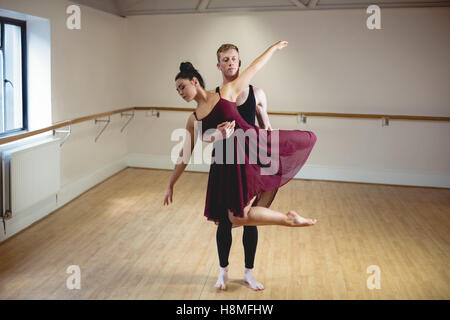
<point>222,280</point>
<point>297,221</point>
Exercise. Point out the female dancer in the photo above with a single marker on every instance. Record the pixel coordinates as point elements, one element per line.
<point>233,187</point>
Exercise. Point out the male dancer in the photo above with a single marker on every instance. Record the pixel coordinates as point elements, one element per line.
<point>251,103</point>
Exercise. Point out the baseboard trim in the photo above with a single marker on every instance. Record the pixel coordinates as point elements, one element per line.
<point>318,172</point>
<point>74,189</point>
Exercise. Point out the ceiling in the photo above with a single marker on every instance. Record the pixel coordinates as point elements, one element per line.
<point>126,8</point>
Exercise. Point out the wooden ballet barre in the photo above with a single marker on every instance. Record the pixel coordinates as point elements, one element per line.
<point>163,109</point>
<point>280,113</point>
<point>319,114</point>
<point>373,116</point>
<point>60,125</point>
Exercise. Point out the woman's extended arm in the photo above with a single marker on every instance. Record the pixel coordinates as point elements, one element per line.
<point>242,82</point>
<point>182,161</point>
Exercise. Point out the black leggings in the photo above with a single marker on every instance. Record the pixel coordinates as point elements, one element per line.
<point>224,239</point>
<point>249,238</point>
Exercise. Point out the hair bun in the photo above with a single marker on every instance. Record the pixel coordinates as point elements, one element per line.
<point>186,66</point>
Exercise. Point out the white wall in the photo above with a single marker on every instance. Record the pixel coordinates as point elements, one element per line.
<point>86,78</point>
<point>333,64</point>
<point>87,68</point>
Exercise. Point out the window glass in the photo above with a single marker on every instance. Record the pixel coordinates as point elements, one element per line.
<point>12,82</point>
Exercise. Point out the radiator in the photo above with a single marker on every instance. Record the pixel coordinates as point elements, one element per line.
<point>30,174</point>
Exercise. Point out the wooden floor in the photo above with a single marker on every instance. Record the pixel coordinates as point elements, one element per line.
<point>128,246</point>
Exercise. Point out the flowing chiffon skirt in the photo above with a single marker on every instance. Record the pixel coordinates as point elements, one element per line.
<point>252,162</point>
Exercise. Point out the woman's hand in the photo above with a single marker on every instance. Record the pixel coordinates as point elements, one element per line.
<point>241,83</point>
<point>223,131</point>
<point>280,45</point>
<point>226,129</point>
<point>168,195</point>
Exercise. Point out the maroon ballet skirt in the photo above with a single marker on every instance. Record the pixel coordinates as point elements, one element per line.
<point>251,162</point>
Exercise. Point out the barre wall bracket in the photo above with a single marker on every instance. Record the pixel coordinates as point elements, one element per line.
<point>103,129</point>
<point>155,113</point>
<point>130,115</point>
<point>301,118</point>
<point>63,131</point>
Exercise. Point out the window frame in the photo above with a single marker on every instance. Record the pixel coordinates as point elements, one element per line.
<point>23,25</point>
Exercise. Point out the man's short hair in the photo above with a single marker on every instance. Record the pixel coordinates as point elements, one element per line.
<point>226,47</point>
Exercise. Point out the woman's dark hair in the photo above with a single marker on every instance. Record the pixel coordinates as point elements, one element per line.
<point>187,71</point>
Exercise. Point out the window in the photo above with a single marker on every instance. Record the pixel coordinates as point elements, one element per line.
<point>13,98</point>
